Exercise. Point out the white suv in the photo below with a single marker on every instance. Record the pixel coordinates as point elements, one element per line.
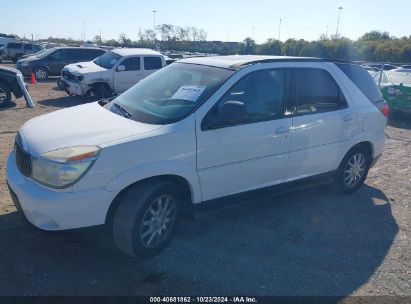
<point>113,72</point>
<point>199,130</point>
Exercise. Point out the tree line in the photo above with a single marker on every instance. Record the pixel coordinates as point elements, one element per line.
<point>372,46</point>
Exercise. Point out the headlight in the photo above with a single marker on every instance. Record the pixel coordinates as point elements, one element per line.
<point>24,63</point>
<point>62,168</point>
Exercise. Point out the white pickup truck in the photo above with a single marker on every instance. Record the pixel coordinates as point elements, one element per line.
<point>113,72</point>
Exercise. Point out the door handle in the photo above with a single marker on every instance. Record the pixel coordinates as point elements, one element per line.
<point>282,130</point>
<point>348,117</point>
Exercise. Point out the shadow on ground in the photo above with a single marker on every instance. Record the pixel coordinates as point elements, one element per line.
<point>7,106</point>
<point>311,242</point>
<point>400,120</point>
<point>64,102</point>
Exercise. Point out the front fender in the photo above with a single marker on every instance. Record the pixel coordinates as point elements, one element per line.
<point>145,171</point>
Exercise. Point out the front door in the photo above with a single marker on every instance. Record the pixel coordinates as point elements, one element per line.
<point>233,158</point>
<point>132,73</point>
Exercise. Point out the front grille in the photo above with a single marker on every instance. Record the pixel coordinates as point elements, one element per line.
<point>23,159</point>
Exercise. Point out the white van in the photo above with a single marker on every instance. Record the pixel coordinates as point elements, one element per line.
<point>199,130</point>
<point>113,72</point>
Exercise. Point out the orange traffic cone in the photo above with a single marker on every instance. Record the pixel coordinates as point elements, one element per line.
<point>33,79</point>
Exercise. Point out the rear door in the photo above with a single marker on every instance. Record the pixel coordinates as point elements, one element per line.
<point>151,64</point>
<point>323,122</point>
<point>123,80</point>
<point>237,158</point>
<point>58,60</point>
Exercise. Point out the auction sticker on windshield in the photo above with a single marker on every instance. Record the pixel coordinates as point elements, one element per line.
<point>190,93</point>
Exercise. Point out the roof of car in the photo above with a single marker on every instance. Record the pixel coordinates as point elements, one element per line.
<point>239,61</point>
<point>134,51</point>
<point>76,48</point>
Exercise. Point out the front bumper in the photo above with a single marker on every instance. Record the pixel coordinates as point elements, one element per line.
<point>76,88</point>
<point>25,70</point>
<point>50,209</point>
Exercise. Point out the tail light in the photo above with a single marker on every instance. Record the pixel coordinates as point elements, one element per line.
<point>383,107</point>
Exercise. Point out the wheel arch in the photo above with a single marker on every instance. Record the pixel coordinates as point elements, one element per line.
<point>367,145</point>
<point>181,182</point>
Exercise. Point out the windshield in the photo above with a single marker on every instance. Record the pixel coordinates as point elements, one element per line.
<point>170,94</point>
<point>107,60</point>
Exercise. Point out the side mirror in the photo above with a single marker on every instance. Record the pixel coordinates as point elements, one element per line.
<point>121,68</point>
<point>231,113</point>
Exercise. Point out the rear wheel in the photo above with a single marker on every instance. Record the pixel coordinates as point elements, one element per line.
<point>146,218</point>
<point>5,95</point>
<point>353,170</point>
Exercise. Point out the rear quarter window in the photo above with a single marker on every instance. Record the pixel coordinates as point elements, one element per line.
<point>152,63</point>
<point>362,79</point>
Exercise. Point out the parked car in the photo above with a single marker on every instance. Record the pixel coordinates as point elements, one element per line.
<point>14,50</point>
<point>51,62</point>
<point>396,89</point>
<point>387,66</point>
<point>200,130</point>
<point>9,85</point>
<point>114,72</point>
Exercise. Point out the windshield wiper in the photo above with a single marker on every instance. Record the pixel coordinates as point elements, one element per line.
<point>166,102</point>
<point>119,110</point>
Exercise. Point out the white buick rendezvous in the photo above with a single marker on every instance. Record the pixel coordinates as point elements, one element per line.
<point>200,130</point>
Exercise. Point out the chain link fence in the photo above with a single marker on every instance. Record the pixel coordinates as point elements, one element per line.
<point>394,81</point>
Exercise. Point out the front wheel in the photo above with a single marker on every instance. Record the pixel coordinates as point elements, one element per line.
<point>353,170</point>
<point>146,218</point>
<point>41,74</point>
<point>5,95</point>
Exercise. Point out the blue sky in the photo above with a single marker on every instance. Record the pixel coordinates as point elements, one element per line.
<point>222,19</point>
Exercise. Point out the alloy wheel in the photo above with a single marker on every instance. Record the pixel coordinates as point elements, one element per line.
<point>355,170</point>
<point>158,221</point>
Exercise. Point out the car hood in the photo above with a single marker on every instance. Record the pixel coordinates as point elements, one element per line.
<point>87,125</point>
<point>84,68</point>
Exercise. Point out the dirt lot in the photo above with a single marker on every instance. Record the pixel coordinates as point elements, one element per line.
<point>311,242</point>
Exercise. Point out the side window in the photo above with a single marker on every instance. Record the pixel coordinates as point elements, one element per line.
<point>28,47</point>
<point>131,64</point>
<point>363,80</point>
<point>36,48</point>
<point>57,55</point>
<point>261,94</point>
<point>14,45</point>
<point>152,63</point>
<point>316,92</point>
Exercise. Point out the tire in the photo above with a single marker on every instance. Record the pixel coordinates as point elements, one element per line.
<point>5,95</point>
<point>353,170</point>
<point>41,73</point>
<point>99,90</point>
<point>16,57</point>
<point>60,84</point>
<point>140,229</point>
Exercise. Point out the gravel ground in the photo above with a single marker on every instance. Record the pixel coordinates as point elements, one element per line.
<point>311,242</point>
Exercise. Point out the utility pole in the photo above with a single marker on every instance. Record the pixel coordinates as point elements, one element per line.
<point>338,22</point>
<point>279,29</point>
<point>154,28</point>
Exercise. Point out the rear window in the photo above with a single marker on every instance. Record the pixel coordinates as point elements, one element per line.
<point>152,63</point>
<point>362,79</point>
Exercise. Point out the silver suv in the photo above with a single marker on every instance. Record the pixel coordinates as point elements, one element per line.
<point>15,50</point>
